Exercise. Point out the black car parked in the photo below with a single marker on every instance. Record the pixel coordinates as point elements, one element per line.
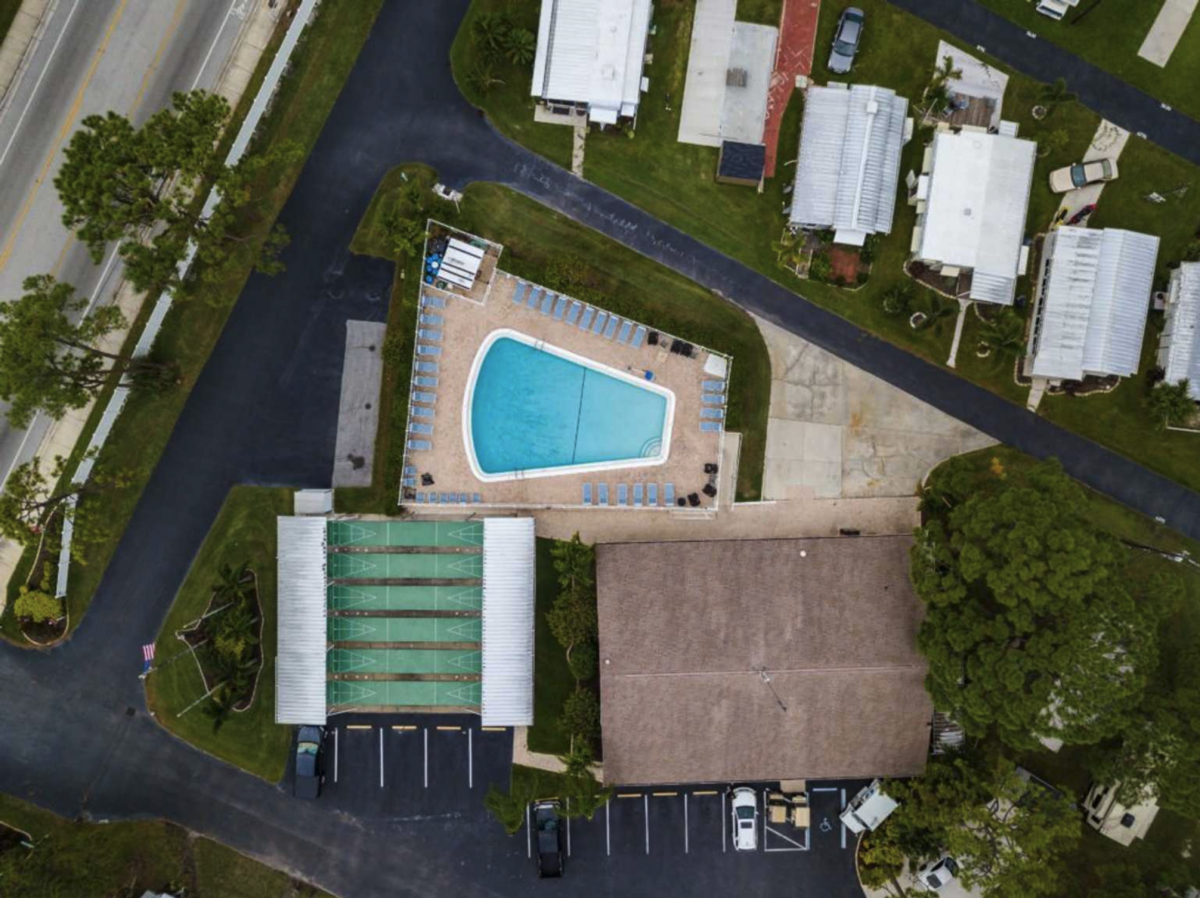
<point>310,772</point>
<point>547,823</point>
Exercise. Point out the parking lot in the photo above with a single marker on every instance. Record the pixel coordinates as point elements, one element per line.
<point>416,772</point>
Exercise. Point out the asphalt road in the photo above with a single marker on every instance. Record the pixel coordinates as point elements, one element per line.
<point>95,55</point>
<point>264,410</point>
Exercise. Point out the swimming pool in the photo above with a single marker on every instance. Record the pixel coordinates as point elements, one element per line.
<point>535,410</point>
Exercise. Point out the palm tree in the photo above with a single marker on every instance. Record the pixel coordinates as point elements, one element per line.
<point>520,46</point>
<point>1171,404</point>
<point>1055,94</point>
<point>490,31</point>
<point>1003,332</point>
<point>897,298</point>
<point>234,583</point>
<point>938,91</point>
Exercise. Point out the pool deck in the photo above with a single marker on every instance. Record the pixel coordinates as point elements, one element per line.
<point>465,325</point>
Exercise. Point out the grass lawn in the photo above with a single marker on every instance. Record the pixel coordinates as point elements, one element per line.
<point>318,70</point>
<point>244,531</point>
<point>127,858</point>
<point>1109,33</point>
<point>552,678</point>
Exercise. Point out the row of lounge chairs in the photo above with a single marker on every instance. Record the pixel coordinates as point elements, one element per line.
<point>645,495</point>
<point>448,498</point>
<point>574,313</point>
<point>712,406</point>
<point>425,371</point>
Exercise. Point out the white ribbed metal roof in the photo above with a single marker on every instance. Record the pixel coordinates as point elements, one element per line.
<point>301,634</point>
<point>591,51</point>
<point>849,160</point>
<point>1179,346</point>
<point>508,621</point>
<point>1094,302</point>
<point>975,217</point>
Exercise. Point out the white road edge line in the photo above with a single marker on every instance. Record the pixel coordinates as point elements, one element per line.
<point>607,834</point>
<point>37,84</point>
<point>646,819</point>
<point>843,825</point>
<point>426,732</point>
<point>685,824</point>
<point>112,260</point>
<point>471,761</point>
<point>528,835</point>
<point>381,757</point>
<point>722,822</point>
<point>568,826</point>
<point>213,46</point>
<point>335,754</point>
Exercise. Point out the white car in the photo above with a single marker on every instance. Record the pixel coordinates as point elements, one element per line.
<point>935,876</point>
<point>745,819</point>
<point>1081,174</point>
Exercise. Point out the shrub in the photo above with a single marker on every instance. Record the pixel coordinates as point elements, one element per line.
<point>1171,404</point>
<point>820,268</point>
<point>584,661</point>
<point>581,716</point>
<point>520,46</point>
<point>39,607</point>
<point>896,300</point>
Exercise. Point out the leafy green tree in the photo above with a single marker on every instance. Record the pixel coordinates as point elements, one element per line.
<point>520,46</point>
<point>938,91</point>
<point>234,582</point>
<point>580,717</point>
<point>1003,332</point>
<point>1055,94</point>
<point>38,607</point>
<point>143,188</point>
<point>897,298</point>
<point>583,659</point>
<point>1170,404</point>
<point>50,363</point>
<point>490,31</point>
<point>572,618</point>
<point>234,630</point>
<point>585,794</point>
<point>1027,629</point>
<point>509,807</point>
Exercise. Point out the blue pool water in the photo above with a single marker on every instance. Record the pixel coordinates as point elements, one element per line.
<point>533,409</point>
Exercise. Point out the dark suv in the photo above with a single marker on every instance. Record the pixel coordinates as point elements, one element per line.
<point>309,771</point>
<point>547,823</point>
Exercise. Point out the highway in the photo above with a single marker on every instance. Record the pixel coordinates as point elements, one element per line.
<point>93,56</point>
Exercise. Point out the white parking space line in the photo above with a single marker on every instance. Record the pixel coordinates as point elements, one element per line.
<point>381,757</point>
<point>775,832</point>
<point>426,734</point>
<point>826,789</point>
<point>528,835</point>
<point>607,835</point>
<point>471,767</point>
<point>843,825</point>
<point>685,823</point>
<point>763,815</point>
<point>722,822</point>
<point>646,819</point>
<point>568,826</point>
<point>335,754</point>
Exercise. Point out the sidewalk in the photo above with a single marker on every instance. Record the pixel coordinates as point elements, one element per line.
<point>19,42</point>
<point>797,32</point>
<point>1166,31</point>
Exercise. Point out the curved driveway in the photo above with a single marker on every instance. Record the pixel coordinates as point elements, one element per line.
<point>76,735</point>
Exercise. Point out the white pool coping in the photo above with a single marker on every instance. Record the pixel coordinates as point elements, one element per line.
<point>650,386</point>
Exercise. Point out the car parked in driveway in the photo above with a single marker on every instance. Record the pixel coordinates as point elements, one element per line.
<point>847,38</point>
<point>550,857</point>
<point>1082,174</point>
<point>310,772</point>
<point>745,819</point>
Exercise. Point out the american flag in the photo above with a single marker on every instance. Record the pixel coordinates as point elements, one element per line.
<point>147,656</point>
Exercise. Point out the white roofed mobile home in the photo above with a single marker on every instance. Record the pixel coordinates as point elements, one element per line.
<point>1179,345</point>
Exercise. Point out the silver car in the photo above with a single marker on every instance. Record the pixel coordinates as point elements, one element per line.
<point>847,38</point>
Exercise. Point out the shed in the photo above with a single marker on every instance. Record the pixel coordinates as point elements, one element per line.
<point>741,163</point>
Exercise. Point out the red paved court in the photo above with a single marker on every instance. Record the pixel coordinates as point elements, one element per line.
<point>794,56</point>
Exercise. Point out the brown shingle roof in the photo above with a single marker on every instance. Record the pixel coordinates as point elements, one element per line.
<point>686,626</point>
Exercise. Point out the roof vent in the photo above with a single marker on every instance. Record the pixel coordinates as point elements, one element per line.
<point>967,213</point>
<point>735,78</point>
<point>872,107</point>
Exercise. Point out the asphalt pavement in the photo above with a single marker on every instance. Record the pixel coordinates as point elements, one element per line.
<point>264,410</point>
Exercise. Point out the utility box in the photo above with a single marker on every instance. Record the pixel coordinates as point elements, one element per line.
<point>868,809</point>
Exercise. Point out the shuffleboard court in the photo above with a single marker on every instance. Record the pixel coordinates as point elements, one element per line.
<point>405,533</point>
<point>405,661</point>
<point>405,629</point>
<point>404,567</point>
<point>364,597</point>
<point>402,692</point>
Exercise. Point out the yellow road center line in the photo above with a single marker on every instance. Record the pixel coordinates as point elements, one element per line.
<point>664,794</point>
<point>493,729</point>
<point>180,5</point>
<point>706,792</point>
<point>358,726</point>
<point>403,729</point>
<point>629,795</point>
<point>67,125</point>
<point>454,729</point>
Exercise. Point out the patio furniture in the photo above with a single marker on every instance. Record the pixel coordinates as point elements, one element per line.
<point>718,413</point>
<point>710,467</point>
<point>694,500</point>
<point>638,336</point>
<point>409,481</point>
<point>476,499</point>
<point>587,494</point>
<point>425,381</point>
<point>586,321</point>
<point>709,490</point>
<point>422,349</point>
<point>427,367</point>
<point>410,471</point>
<point>622,494</point>
<point>419,445</point>
<point>712,398</point>
<point>447,498</point>
<point>626,330</point>
<point>603,491</point>
<point>429,319</point>
<point>637,495</point>
<point>560,308</point>
<point>535,296</point>
<point>428,398</point>
<point>547,303</point>
<point>573,315</point>
<point>432,302</point>
<point>420,498</point>
<point>612,327</point>
<point>422,411</point>
<point>433,336</point>
<point>713,386</point>
<point>433,498</point>
<point>669,494</point>
<point>418,427</point>
<point>710,426</point>
<point>601,317</point>
<point>519,292</point>
<point>652,494</point>
<point>426,479</point>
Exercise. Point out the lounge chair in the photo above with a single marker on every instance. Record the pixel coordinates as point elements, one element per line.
<point>422,411</point>
<point>476,499</point>
<point>433,498</point>
<point>652,494</point>
<point>519,292</point>
<point>712,398</point>
<point>410,471</point>
<point>547,303</point>
<point>586,321</point>
<point>601,317</point>
<point>637,495</point>
<point>718,413</point>
<point>463,498</point>
<point>420,498</point>
<point>427,367</point>
<point>713,386</point>
<point>669,494</point>
<point>535,296</point>
<point>409,481</point>
<point>587,494</point>
<point>626,330</point>
<point>602,490</point>
<point>433,336</point>
<point>422,349</point>
<point>447,498</point>
<point>430,319</point>
<point>428,398</point>
<point>419,445</point>
<point>560,308</point>
<point>418,427</point>
<point>425,381</point>
<point>573,315</point>
<point>710,426</point>
<point>432,302</point>
<point>622,494</point>
<point>612,327</point>
<point>639,336</point>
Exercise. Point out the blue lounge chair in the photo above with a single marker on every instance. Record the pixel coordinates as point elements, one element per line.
<point>712,398</point>
<point>713,386</point>
<point>425,381</point>
<point>652,494</point>
<point>612,327</point>
<point>429,319</point>
<point>586,321</point>
<point>476,499</point>
<point>418,427</point>
<point>409,481</point>
<point>421,411</point>
<point>427,367</point>
<point>587,494</point>
<point>601,317</point>
<point>710,426</point>
<point>639,336</point>
<point>428,398</point>
<point>433,499</point>
<point>547,303</point>
<point>573,315</point>
<point>433,336</point>
<point>419,445</point>
<point>463,498</point>
<point>718,413</point>
<point>560,308</point>
<point>409,470</point>
<point>432,302</point>
<point>603,493</point>
<point>622,494</point>
<point>447,498</point>
<point>420,498</point>
<point>519,292</point>
<point>535,296</point>
<point>429,350</point>
<point>626,330</point>
<point>669,494</point>
<point>637,495</point>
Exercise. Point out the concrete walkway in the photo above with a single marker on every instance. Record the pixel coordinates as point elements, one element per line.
<point>793,57</point>
<point>19,42</point>
<point>1166,31</point>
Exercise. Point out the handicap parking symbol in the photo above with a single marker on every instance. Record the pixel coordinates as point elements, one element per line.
<point>826,826</point>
